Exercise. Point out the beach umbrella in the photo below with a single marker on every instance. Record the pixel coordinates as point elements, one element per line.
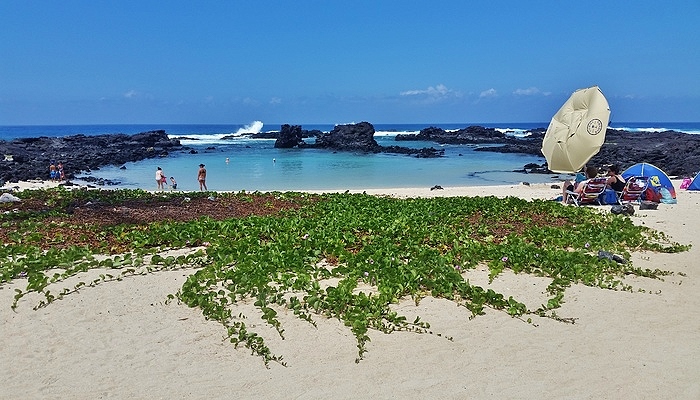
<point>576,131</point>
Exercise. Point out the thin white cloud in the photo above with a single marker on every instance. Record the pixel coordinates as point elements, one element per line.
<point>527,92</point>
<point>275,100</point>
<point>488,93</point>
<point>133,94</point>
<point>431,95</point>
<point>432,91</point>
<point>531,91</point>
<point>250,101</point>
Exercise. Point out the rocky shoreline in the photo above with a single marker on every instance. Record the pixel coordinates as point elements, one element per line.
<point>29,158</point>
<point>677,153</point>
<point>352,137</point>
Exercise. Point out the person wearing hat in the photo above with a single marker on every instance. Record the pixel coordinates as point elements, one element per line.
<point>202,177</point>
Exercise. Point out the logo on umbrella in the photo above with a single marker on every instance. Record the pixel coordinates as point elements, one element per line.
<point>595,126</point>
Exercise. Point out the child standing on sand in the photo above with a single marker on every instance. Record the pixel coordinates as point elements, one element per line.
<point>53,172</point>
<point>173,184</point>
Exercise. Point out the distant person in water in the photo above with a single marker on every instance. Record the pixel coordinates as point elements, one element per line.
<point>202,177</point>
<point>160,178</point>
<point>173,183</point>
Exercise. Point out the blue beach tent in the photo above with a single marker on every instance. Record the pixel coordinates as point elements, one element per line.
<point>695,184</point>
<point>656,176</point>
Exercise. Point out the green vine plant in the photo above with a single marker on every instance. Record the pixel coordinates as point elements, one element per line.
<point>399,248</point>
<point>120,267</point>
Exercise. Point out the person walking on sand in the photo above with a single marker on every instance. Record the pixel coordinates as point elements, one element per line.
<point>160,178</point>
<point>202,177</point>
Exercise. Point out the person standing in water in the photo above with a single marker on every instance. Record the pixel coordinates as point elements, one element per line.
<point>160,178</point>
<point>202,177</point>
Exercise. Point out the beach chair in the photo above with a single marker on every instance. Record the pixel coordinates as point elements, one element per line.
<point>590,194</point>
<point>632,192</point>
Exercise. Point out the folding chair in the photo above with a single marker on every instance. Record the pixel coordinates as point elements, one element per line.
<point>590,193</point>
<point>632,192</point>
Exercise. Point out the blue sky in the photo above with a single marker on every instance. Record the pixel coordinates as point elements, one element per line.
<point>119,62</point>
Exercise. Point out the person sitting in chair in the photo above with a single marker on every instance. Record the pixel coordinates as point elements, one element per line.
<point>615,181</point>
<point>569,186</point>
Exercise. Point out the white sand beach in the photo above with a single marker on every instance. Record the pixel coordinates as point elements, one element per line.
<point>29,185</point>
<point>120,340</point>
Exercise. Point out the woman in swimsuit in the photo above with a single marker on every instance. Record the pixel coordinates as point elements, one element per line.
<point>615,181</point>
<point>160,178</point>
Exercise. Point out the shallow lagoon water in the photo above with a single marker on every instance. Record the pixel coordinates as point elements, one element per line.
<point>254,164</point>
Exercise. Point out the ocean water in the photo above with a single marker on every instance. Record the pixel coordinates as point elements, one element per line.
<point>254,164</point>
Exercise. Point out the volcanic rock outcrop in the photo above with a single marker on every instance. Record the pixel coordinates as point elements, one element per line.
<point>468,135</point>
<point>350,137</point>
<point>30,158</point>
<point>290,136</point>
<point>676,153</point>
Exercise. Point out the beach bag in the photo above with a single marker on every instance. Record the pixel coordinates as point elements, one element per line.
<point>608,197</point>
<point>666,197</point>
<point>8,198</point>
<point>685,183</point>
<point>624,209</point>
<point>652,194</point>
<point>648,205</point>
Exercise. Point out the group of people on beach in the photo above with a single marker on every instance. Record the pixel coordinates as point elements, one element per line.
<point>161,179</point>
<point>614,181</point>
<point>56,172</point>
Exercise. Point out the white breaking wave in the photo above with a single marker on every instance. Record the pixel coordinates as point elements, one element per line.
<point>513,132</point>
<point>508,131</point>
<point>394,133</point>
<point>254,127</point>
<point>241,133</point>
<point>655,129</point>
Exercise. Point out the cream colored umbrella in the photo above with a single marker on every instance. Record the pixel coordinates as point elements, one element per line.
<point>577,130</point>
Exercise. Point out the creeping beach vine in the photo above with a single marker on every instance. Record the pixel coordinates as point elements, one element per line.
<point>345,256</point>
